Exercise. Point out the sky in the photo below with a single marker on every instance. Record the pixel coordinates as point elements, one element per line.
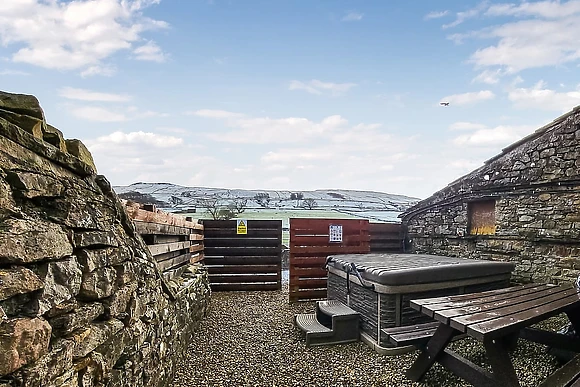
<point>293,94</point>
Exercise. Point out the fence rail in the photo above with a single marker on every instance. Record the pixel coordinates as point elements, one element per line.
<point>172,240</point>
<point>310,245</point>
<point>250,261</point>
<point>386,237</point>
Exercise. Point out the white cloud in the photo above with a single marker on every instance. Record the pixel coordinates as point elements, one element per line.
<point>491,77</point>
<point>436,15</point>
<point>104,70</point>
<point>353,16</point>
<point>117,114</point>
<point>466,126</point>
<point>540,97</point>
<point>99,114</point>
<point>265,130</point>
<point>13,72</point>
<point>83,33</point>
<point>169,129</point>
<point>469,98</point>
<point>318,87</point>
<point>292,154</point>
<point>464,164</point>
<point>88,95</point>
<point>214,113</point>
<point>128,157</point>
<point>150,51</point>
<point>462,16</point>
<point>136,138</point>
<point>535,34</point>
<point>498,136</point>
<point>543,9</point>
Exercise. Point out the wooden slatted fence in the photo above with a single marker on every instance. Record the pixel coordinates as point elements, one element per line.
<point>310,246</point>
<point>386,237</point>
<point>243,262</point>
<point>174,241</point>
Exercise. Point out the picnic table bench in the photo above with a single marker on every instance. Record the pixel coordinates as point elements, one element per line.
<point>497,318</point>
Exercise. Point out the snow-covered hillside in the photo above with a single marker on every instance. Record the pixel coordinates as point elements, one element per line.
<point>171,197</point>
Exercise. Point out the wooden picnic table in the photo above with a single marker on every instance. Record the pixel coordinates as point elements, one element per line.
<point>497,318</point>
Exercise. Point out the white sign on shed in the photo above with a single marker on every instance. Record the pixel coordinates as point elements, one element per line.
<point>335,233</point>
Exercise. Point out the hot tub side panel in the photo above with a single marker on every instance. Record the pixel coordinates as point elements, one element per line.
<point>363,301</point>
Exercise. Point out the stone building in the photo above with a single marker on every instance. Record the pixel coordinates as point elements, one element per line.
<point>522,205</point>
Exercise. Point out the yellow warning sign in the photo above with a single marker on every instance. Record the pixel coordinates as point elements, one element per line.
<point>242,226</point>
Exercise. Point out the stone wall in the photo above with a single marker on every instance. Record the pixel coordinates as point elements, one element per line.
<point>536,187</point>
<point>82,302</point>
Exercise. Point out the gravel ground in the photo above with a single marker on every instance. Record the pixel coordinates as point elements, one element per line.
<point>248,339</point>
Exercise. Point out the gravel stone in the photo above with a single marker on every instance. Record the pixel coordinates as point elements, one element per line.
<point>249,339</point>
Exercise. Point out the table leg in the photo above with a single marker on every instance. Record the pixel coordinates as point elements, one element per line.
<point>511,341</point>
<point>430,352</point>
<point>497,354</point>
<point>574,317</point>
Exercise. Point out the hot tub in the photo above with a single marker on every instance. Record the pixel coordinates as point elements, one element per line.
<point>390,281</point>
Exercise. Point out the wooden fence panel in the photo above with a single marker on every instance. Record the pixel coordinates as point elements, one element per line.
<point>173,241</point>
<point>386,237</point>
<point>249,261</point>
<point>310,246</point>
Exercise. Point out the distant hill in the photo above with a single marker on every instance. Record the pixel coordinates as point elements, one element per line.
<point>171,197</point>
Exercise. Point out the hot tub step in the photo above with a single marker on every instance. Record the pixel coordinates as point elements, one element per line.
<point>334,308</point>
<point>316,333</point>
<point>333,323</point>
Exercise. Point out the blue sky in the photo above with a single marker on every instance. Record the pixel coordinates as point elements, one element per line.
<point>294,95</point>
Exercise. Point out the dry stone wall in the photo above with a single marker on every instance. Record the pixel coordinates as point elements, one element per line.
<point>536,188</point>
<point>82,302</point>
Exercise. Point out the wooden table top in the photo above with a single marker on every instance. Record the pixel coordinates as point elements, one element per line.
<point>497,313</point>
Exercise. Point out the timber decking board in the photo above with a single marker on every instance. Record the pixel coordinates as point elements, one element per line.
<point>312,283</point>
<point>242,251</point>
<point>242,242</point>
<point>315,240</point>
<point>309,272</point>
<point>252,233</point>
<point>243,269</point>
<point>151,239</point>
<point>197,257</point>
<point>244,287</point>
<point>196,248</point>
<point>174,262</point>
<point>241,278</point>
<point>308,261</point>
<point>307,251</point>
<point>145,228</point>
<point>168,247</point>
<point>173,241</point>
<point>309,294</point>
<point>138,214</point>
<point>242,260</point>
